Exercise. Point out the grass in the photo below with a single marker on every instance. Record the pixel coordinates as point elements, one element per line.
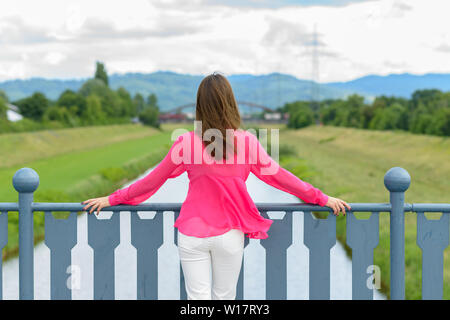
<point>351,164</point>
<point>26,147</point>
<point>75,164</point>
<point>95,167</point>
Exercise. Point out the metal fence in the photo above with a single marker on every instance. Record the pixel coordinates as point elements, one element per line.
<point>147,237</point>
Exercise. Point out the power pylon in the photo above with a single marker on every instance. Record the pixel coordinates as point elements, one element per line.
<point>315,89</point>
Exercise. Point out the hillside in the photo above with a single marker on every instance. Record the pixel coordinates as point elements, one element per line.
<point>350,164</point>
<point>175,89</point>
<point>272,90</point>
<point>402,85</point>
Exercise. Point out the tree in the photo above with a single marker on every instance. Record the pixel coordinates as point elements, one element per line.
<point>152,101</point>
<point>126,103</point>
<point>70,98</point>
<point>57,113</point>
<point>138,102</point>
<point>425,97</point>
<point>93,113</point>
<point>33,107</point>
<point>4,96</point>
<point>350,112</point>
<point>300,115</point>
<point>389,118</point>
<point>109,98</point>
<point>100,73</point>
<point>420,120</point>
<point>440,124</point>
<point>150,117</point>
<point>367,114</point>
<point>3,109</point>
<point>329,112</point>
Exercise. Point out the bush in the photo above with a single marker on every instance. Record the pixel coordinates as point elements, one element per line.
<point>150,117</point>
<point>3,108</point>
<point>113,174</point>
<point>302,116</point>
<point>33,107</point>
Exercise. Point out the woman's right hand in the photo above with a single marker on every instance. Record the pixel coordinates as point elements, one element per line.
<point>337,205</point>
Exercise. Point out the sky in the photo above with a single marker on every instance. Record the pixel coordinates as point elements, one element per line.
<point>64,38</point>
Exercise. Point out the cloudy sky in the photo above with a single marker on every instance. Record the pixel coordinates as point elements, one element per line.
<point>64,38</point>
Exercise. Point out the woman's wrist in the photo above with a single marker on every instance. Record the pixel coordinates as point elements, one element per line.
<point>323,200</point>
<point>113,199</point>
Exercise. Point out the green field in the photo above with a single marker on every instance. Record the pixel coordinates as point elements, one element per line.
<point>77,164</point>
<point>351,163</point>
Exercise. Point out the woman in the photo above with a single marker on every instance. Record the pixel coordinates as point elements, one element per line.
<point>218,210</point>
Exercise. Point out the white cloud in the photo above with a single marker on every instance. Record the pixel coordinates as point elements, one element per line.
<point>54,58</point>
<point>364,37</point>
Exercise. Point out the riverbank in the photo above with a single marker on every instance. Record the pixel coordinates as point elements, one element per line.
<point>99,164</point>
<point>351,163</point>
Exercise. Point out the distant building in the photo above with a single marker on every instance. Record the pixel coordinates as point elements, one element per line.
<point>190,115</point>
<point>172,117</point>
<point>13,113</point>
<point>272,116</point>
<point>135,120</point>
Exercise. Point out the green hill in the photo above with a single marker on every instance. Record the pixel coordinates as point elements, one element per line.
<point>174,89</point>
<point>350,164</point>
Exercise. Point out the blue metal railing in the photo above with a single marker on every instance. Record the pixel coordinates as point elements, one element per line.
<point>147,237</point>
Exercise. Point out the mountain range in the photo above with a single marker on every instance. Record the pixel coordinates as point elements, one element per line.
<point>401,85</point>
<point>271,90</point>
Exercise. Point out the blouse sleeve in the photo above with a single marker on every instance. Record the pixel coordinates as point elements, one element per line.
<point>144,188</point>
<point>269,171</point>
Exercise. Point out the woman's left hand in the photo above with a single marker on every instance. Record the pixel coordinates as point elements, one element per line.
<point>337,205</point>
<point>96,204</point>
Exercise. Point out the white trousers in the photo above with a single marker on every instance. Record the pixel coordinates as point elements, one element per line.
<point>211,265</point>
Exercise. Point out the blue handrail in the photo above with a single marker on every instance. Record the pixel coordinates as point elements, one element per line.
<point>319,237</point>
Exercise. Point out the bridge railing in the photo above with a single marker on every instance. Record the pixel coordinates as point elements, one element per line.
<point>147,237</point>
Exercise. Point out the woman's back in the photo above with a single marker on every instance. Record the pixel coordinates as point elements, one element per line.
<point>217,199</point>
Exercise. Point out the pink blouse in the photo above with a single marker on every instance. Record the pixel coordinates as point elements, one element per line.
<point>217,199</point>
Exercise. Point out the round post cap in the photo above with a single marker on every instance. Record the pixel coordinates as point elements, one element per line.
<point>25,180</point>
<point>397,179</point>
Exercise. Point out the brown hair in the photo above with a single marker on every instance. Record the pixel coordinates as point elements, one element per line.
<point>217,108</point>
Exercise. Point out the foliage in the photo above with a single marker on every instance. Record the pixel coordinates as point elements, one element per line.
<point>33,107</point>
<point>4,96</point>
<point>95,103</point>
<point>70,98</point>
<point>150,117</point>
<point>150,111</point>
<point>300,114</point>
<point>152,101</point>
<point>113,174</point>
<point>427,112</point>
<point>61,114</point>
<point>93,113</point>
<point>139,102</point>
<point>3,108</point>
<point>100,73</point>
<point>127,106</point>
<point>174,89</point>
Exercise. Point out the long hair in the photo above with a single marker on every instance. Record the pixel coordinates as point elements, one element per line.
<point>217,109</point>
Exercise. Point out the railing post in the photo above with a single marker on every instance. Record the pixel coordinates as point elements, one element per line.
<point>397,181</point>
<point>26,181</point>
